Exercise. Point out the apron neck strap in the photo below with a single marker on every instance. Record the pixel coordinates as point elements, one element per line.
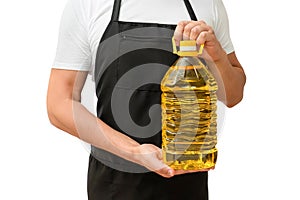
<point>190,10</point>
<point>117,7</point>
<point>116,10</point>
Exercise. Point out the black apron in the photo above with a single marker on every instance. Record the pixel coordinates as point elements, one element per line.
<point>131,60</point>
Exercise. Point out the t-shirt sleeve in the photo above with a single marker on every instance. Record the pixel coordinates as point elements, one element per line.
<point>221,26</point>
<point>73,49</point>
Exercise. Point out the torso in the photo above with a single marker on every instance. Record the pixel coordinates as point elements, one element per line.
<point>166,12</point>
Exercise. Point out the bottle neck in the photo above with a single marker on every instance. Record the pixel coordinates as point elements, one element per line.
<point>188,61</point>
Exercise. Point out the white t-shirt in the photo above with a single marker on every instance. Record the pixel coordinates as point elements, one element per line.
<point>84,21</point>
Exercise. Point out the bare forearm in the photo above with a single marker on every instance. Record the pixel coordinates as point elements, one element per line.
<point>231,80</point>
<point>72,117</point>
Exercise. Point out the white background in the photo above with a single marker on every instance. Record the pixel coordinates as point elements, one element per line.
<point>258,148</point>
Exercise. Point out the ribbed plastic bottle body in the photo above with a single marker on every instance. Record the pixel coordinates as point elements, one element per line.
<point>189,119</point>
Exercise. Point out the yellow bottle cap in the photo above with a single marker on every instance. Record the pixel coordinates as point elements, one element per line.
<point>187,48</point>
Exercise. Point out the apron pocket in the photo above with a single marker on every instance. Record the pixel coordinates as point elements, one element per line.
<point>144,59</point>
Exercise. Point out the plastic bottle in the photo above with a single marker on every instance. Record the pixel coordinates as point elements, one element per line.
<point>189,119</point>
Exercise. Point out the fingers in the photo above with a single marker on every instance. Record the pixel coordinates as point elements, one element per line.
<point>178,172</point>
<point>193,30</point>
<point>166,172</point>
<point>190,27</point>
<point>178,34</point>
<point>163,169</point>
<point>205,36</point>
<point>150,156</point>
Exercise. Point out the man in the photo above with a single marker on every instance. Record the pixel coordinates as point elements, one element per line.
<point>93,35</point>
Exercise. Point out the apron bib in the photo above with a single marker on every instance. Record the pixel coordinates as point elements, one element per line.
<point>131,60</point>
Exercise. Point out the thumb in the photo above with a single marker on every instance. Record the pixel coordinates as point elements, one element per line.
<point>166,172</point>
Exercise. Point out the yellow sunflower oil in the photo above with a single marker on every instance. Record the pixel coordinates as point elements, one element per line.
<point>189,118</point>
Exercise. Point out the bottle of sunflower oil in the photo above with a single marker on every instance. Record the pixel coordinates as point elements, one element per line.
<point>189,119</point>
